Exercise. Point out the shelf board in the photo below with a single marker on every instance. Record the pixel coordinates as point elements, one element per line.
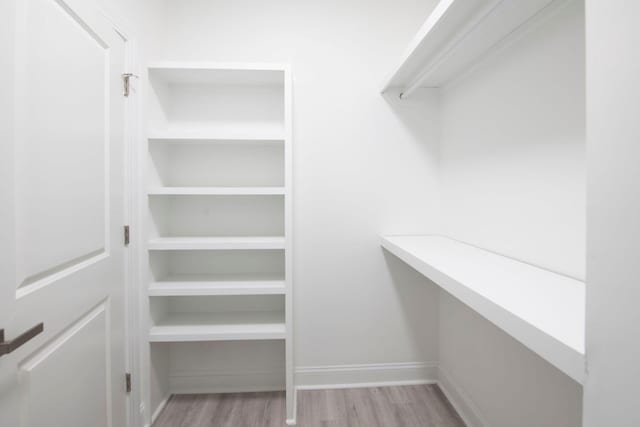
<point>214,137</point>
<point>216,191</point>
<point>236,284</point>
<point>185,327</point>
<point>216,243</point>
<point>252,74</point>
<point>543,310</point>
<point>456,34</point>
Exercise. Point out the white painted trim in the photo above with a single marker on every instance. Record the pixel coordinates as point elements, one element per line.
<point>138,240</point>
<point>45,352</point>
<point>390,374</point>
<point>26,290</point>
<point>208,381</point>
<point>294,418</point>
<point>158,410</point>
<point>366,375</point>
<point>290,381</point>
<point>131,131</point>
<point>366,384</point>
<point>132,261</point>
<point>335,377</point>
<point>460,400</point>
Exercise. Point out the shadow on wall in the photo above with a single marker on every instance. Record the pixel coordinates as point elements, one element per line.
<point>506,383</point>
<point>418,297</point>
<point>419,114</point>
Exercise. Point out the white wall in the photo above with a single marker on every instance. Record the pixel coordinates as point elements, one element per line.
<point>613,215</point>
<point>363,165</point>
<point>513,153</point>
<point>513,181</point>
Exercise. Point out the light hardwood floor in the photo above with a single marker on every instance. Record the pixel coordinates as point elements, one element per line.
<point>407,406</point>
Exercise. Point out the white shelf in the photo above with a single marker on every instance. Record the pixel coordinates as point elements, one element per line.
<point>457,33</point>
<point>545,311</point>
<point>251,74</point>
<point>210,285</point>
<point>216,191</point>
<point>214,137</point>
<point>184,327</point>
<point>216,243</point>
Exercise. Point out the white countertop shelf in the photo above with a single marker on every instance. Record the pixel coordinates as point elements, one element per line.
<point>457,33</point>
<point>183,327</point>
<point>216,191</point>
<point>232,284</point>
<point>543,310</point>
<point>216,243</point>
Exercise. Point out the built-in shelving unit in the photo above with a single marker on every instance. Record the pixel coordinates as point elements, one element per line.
<point>543,310</point>
<point>218,187</point>
<point>456,34</point>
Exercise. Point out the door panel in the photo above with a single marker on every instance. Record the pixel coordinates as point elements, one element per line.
<point>62,143</point>
<point>78,359</point>
<point>63,260</point>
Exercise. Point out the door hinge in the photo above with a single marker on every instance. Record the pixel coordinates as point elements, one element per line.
<point>126,81</point>
<point>127,235</point>
<point>127,382</point>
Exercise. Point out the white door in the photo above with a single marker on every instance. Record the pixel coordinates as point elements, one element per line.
<point>61,215</point>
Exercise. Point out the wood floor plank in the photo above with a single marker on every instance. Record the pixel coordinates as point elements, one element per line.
<point>406,406</point>
<point>275,410</point>
<point>184,408</point>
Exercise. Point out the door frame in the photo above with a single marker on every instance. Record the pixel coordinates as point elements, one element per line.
<point>132,182</point>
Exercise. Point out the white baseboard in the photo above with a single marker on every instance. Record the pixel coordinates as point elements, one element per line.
<point>460,400</point>
<point>369,375</point>
<point>328,377</point>
<point>391,374</point>
<point>197,381</point>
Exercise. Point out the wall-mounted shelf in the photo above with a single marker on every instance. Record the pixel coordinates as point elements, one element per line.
<point>216,243</point>
<point>543,310</point>
<point>184,327</point>
<point>457,33</point>
<point>211,285</point>
<point>216,191</point>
